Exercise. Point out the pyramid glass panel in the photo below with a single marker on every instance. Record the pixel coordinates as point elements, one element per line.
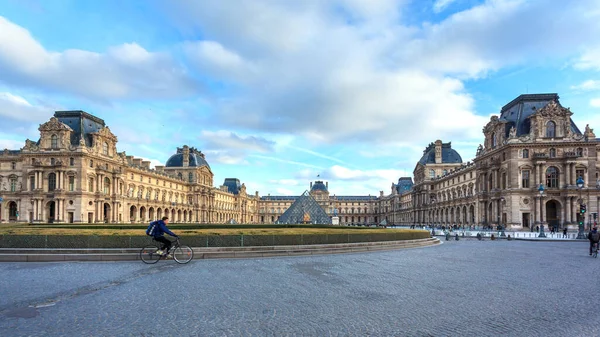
<point>305,210</point>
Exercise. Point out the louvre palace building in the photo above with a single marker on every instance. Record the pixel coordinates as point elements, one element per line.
<point>74,174</point>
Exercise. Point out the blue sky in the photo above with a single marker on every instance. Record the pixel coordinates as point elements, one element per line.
<point>278,92</point>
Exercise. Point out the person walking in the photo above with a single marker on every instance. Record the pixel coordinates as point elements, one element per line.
<point>594,238</point>
<point>565,233</point>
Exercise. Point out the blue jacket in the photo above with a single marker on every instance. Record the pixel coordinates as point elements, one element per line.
<point>161,229</point>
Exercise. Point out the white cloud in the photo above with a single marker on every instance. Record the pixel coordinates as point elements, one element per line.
<point>588,85</point>
<point>11,144</point>
<point>440,5</point>
<point>18,108</point>
<point>285,191</point>
<point>285,182</point>
<point>124,71</point>
<point>595,102</point>
<point>590,60</point>
<point>220,140</point>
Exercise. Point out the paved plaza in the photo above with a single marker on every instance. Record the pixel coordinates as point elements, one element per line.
<point>459,288</point>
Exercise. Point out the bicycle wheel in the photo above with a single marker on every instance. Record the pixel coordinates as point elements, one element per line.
<point>148,254</point>
<point>183,254</point>
<point>595,252</point>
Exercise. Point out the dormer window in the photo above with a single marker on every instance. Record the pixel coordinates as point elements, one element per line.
<point>494,143</point>
<point>105,148</point>
<point>54,142</point>
<point>431,174</point>
<point>550,129</point>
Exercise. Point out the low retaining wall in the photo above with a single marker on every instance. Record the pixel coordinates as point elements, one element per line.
<point>118,241</point>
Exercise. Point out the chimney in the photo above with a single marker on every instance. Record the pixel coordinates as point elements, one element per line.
<point>146,164</point>
<point>311,185</point>
<point>438,151</point>
<point>159,168</point>
<point>137,161</point>
<point>186,156</point>
<point>327,184</point>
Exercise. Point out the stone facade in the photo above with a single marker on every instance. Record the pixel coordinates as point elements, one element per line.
<point>533,143</point>
<point>75,174</point>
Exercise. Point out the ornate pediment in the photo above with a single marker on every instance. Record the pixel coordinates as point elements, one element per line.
<point>491,125</point>
<point>106,133</point>
<point>30,146</point>
<point>554,109</point>
<point>54,125</point>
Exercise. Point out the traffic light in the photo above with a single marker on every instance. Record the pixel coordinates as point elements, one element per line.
<point>582,208</point>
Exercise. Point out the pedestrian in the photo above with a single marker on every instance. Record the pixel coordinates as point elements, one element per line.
<point>565,232</point>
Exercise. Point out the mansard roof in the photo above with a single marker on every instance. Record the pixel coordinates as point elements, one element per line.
<point>82,123</point>
<point>449,155</point>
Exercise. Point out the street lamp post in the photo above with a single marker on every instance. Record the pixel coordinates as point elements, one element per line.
<point>580,234</point>
<point>541,190</point>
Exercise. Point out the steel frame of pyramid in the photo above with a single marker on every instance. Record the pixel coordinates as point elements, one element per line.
<point>305,204</point>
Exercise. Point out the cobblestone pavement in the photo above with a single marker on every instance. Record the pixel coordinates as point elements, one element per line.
<point>459,288</point>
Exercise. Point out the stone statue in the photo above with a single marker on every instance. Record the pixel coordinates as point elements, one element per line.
<point>479,149</point>
<point>4,185</point>
<point>512,133</point>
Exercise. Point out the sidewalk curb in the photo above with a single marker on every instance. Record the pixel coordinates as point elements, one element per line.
<point>126,254</point>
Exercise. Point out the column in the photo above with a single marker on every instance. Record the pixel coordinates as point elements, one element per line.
<point>568,210</point>
<point>537,209</point>
<point>568,174</point>
<point>573,174</point>
<point>35,177</point>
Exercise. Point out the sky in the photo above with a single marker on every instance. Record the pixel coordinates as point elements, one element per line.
<point>281,93</point>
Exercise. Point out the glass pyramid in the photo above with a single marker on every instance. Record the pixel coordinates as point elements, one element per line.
<point>305,210</point>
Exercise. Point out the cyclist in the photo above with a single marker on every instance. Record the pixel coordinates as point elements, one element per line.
<point>594,238</point>
<point>159,235</point>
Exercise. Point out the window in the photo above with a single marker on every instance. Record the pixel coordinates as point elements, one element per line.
<point>191,177</point>
<point>579,152</point>
<point>579,173</point>
<point>91,185</point>
<point>525,179</point>
<point>552,153</point>
<point>52,161</point>
<point>445,172</point>
<point>552,177</point>
<point>132,176</point>
<point>550,129</point>
<point>106,186</point>
<point>179,175</point>
<point>525,153</point>
<point>31,183</point>
<point>504,180</point>
<point>13,165</point>
<point>51,181</point>
<point>13,185</point>
<point>494,140</point>
<point>71,183</point>
<point>432,174</point>
<point>503,156</point>
<point>105,148</point>
<point>72,161</point>
<point>54,142</point>
<point>141,178</point>
<point>91,163</point>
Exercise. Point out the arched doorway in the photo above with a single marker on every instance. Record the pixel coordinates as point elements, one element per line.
<point>151,214</point>
<point>13,212</point>
<point>51,211</point>
<point>106,213</point>
<point>142,214</point>
<point>552,214</point>
<point>132,212</point>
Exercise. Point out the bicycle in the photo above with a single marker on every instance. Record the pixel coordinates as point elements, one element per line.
<point>181,253</point>
<point>595,250</point>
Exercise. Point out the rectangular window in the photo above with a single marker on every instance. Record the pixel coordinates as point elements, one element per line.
<point>72,161</point>
<point>91,163</point>
<point>578,173</point>
<point>503,180</point>
<point>71,183</point>
<point>31,183</point>
<point>525,179</point>
<point>13,185</point>
<point>91,185</point>
<point>13,165</point>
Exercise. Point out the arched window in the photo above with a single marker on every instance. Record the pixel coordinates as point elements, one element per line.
<point>51,181</point>
<point>105,148</point>
<point>54,142</point>
<point>552,153</point>
<point>432,174</point>
<point>190,177</point>
<point>552,177</point>
<point>551,129</point>
<point>179,175</point>
<point>494,140</point>
<point>445,172</point>
<point>106,185</point>
<point>525,153</point>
